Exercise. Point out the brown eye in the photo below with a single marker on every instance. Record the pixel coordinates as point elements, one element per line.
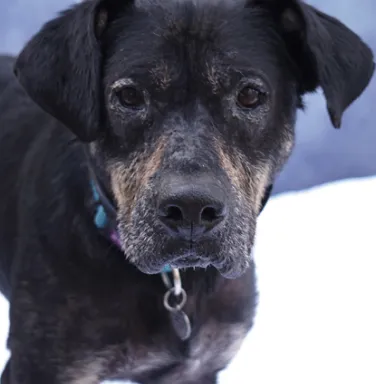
<point>249,97</point>
<point>131,97</point>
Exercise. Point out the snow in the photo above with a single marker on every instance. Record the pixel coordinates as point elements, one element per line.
<point>316,258</point>
<point>316,321</point>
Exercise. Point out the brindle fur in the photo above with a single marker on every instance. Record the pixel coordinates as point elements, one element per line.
<point>82,310</point>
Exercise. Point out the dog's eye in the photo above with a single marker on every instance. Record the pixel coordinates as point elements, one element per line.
<point>249,97</point>
<point>131,97</point>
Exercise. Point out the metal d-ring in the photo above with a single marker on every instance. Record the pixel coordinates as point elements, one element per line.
<point>178,306</point>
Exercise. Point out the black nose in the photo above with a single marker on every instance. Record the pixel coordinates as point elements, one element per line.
<point>190,210</point>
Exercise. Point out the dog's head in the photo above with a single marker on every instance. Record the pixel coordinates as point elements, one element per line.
<point>189,108</point>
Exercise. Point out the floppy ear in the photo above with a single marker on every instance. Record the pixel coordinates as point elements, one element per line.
<point>60,68</point>
<point>326,53</point>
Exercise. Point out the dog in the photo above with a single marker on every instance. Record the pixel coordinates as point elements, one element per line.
<point>139,142</point>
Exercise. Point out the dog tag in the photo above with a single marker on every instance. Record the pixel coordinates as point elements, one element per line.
<point>181,324</point>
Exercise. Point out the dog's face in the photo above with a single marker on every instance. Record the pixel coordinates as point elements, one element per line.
<point>199,120</point>
<point>190,110</point>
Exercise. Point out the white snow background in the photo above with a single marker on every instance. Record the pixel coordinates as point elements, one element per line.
<point>316,321</point>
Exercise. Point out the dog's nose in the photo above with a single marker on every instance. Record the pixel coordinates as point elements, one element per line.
<point>190,211</point>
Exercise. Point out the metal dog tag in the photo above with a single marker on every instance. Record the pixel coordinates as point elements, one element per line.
<point>181,324</point>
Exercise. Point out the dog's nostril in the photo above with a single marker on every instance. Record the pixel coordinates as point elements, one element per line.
<point>191,210</point>
<point>174,213</point>
<point>210,214</point>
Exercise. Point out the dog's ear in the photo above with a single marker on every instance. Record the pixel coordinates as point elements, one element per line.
<point>60,68</point>
<point>326,53</point>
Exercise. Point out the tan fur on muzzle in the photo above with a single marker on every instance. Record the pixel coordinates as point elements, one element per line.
<point>129,180</point>
<point>249,181</point>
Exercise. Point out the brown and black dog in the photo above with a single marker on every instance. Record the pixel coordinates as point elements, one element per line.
<point>140,136</point>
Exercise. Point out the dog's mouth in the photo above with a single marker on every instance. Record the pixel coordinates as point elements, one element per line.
<point>228,253</point>
<point>150,247</point>
<point>185,260</point>
<point>191,260</point>
<point>151,251</point>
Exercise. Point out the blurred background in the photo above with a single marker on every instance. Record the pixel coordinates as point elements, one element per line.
<point>322,154</point>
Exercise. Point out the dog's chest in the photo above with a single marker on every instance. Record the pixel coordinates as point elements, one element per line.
<point>144,347</point>
<point>210,350</point>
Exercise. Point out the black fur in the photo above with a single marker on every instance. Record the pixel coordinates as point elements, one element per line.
<point>80,311</point>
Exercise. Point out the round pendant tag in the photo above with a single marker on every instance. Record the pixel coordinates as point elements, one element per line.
<point>181,324</point>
